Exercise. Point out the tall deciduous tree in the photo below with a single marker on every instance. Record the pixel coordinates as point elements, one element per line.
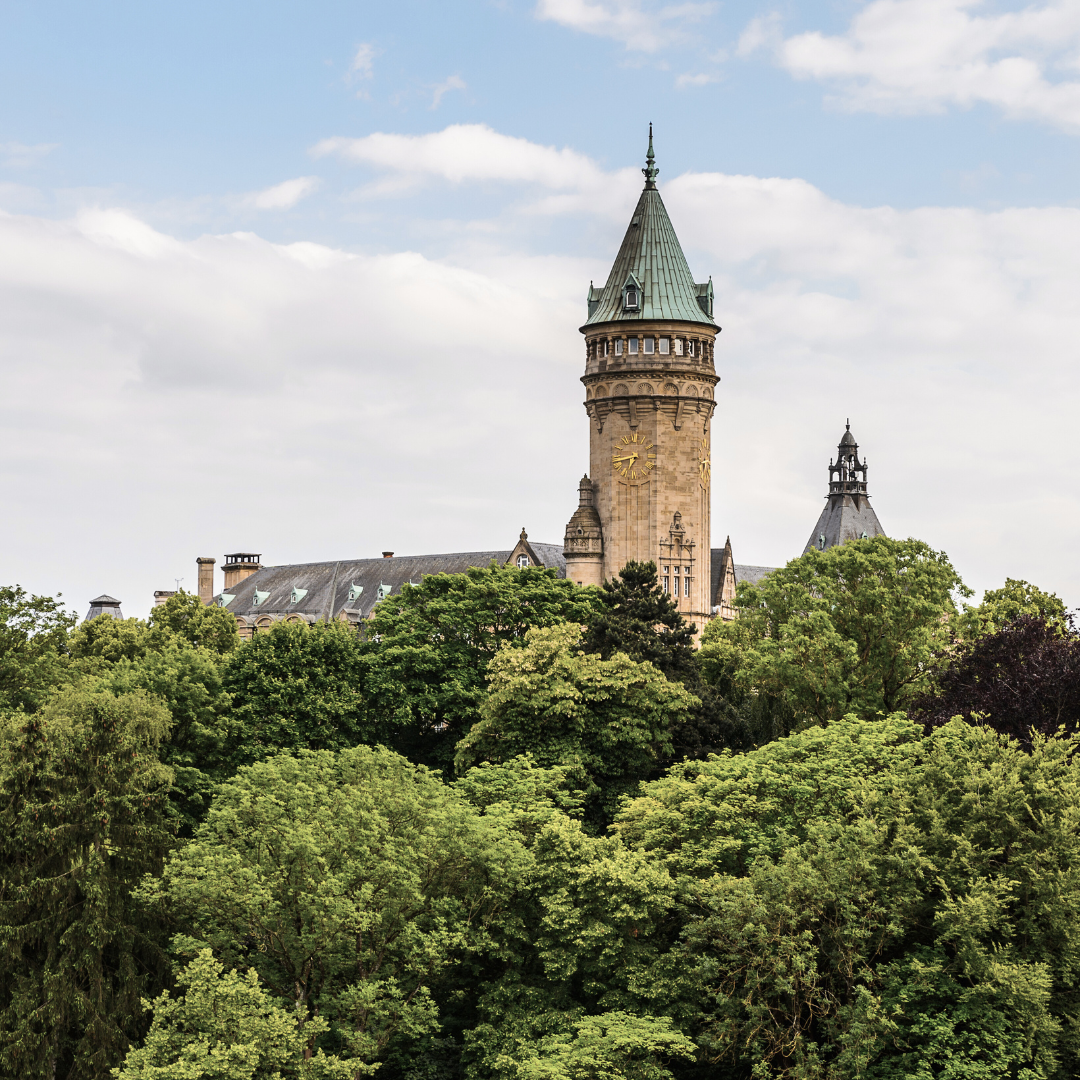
<point>296,686</point>
<point>1022,678</point>
<point>225,1026</point>
<point>612,718</point>
<point>205,625</point>
<point>349,881</point>
<point>858,628</point>
<point>33,641</point>
<point>82,818</point>
<point>1001,606</point>
<point>864,901</point>
<point>428,649</point>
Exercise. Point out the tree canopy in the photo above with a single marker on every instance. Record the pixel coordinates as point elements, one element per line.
<point>429,646</point>
<point>860,627</point>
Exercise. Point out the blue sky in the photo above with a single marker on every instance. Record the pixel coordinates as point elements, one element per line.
<point>265,263</point>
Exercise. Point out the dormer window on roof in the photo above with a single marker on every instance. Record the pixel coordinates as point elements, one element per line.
<point>632,294</point>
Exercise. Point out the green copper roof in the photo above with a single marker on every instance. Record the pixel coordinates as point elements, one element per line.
<point>652,259</point>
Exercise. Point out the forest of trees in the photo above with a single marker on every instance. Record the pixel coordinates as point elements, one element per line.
<point>519,830</point>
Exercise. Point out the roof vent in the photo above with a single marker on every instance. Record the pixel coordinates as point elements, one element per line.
<point>387,554</point>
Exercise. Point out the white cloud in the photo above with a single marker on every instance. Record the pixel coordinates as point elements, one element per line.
<point>700,79</point>
<point>640,27</point>
<point>454,82</point>
<point>283,196</point>
<point>464,152</point>
<point>362,67</point>
<point>166,398</point>
<point>17,155</point>
<point>914,56</point>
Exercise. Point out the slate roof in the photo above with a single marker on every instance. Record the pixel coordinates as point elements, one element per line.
<point>845,517</point>
<point>651,252</point>
<point>326,585</point>
<point>743,572</point>
<point>104,605</point>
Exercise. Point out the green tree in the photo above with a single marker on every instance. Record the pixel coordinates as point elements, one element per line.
<point>109,640</point>
<point>82,818</point>
<point>1001,606</point>
<point>293,687</point>
<point>33,646</point>
<point>428,649</point>
<point>188,680</point>
<point>866,901</point>
<point>225,1026</point>
<point>633,615</point>
<point>609,718</point>
<point>611,1046</point>
<point>205,625</point>
<point>861,627</point>
<point>348,881</point>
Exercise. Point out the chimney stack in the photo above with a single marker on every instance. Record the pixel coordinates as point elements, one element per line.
<point>387,554</point>
<point>238,566</point>
<point>206,579</point>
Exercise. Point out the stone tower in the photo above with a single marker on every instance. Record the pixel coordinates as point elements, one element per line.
<point>848,514</point>
<point>649,394</point>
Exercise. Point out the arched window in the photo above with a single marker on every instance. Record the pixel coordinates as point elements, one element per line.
<point>523,561</point>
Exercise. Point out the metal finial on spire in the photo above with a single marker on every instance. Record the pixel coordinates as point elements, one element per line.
<point>650,171</point>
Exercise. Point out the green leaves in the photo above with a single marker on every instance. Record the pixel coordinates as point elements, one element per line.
<point>33,639</point>
<point>227,1027</point>
<point>609,718</point>
<point>348,881</point>
<point>858,628</point>
<point>295,686</point>
<point>82,818</point>
<point>430,645</point>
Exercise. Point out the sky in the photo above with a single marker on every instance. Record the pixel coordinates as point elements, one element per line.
<point>306,279</point>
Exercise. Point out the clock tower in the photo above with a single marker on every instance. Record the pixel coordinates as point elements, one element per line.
<point>649,395</point>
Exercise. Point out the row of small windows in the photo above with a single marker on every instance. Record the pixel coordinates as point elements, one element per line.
<point>667,576</point>
<point>649,345</point>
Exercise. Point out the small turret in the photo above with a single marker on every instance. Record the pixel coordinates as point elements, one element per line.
<point>848,514</point>
<point>583,544</point>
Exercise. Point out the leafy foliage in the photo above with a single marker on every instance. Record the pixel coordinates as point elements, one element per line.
<point>1001,606</point>
<point>295,686</point>
<point>110,640</point>
<point>429,649</point>
<point>348,881</point>
<point>227,1027</point>
<point>205,625</point>
<point>33,641</point>
<point>884,917</point>
<point>859,628</point>
<point>1023,677</point>
<point>609,718</point>
<point>635,616</point>
<point>82,818</point>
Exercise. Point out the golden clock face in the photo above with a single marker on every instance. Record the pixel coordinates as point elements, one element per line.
<point>633,458</point>
<point>704,462</point>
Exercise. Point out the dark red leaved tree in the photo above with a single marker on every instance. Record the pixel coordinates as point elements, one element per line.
<point>1025,676</point>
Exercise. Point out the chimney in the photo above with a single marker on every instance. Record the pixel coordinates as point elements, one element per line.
<point>238,566</point>
<point>387,554</point>
<point>206,579</point>
<point>161,595</point>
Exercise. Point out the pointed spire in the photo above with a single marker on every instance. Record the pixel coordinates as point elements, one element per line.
<point>650,171</point>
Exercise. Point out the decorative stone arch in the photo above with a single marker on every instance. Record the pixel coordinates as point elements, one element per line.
<point>621,390</point>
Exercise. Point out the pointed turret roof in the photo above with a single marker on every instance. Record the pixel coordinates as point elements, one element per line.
<point>848,514</point>
<point>652,258</point>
